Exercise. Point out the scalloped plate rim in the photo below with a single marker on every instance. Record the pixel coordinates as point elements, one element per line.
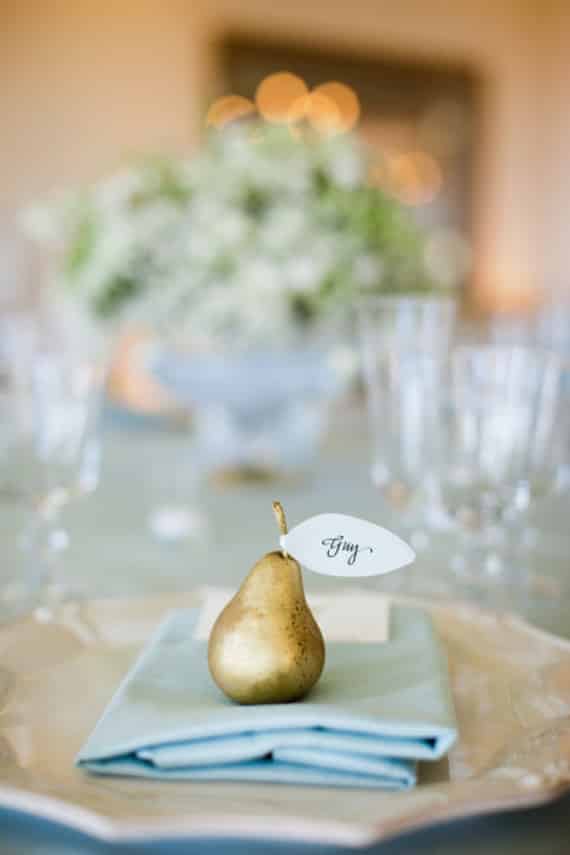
<point>288,827</point>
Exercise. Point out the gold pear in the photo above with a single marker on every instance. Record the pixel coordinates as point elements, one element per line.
<point>266,647</point>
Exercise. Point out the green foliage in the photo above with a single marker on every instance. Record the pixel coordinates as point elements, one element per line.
<point>119,293</point>
<point>259,225</point>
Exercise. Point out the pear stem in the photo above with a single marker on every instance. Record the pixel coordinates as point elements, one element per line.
<point>281,522</point>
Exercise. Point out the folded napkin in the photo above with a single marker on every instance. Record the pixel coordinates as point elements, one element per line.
<point>377,709</point>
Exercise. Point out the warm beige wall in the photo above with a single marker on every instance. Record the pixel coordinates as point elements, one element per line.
<point>83,81</point>
<point>554,126</point>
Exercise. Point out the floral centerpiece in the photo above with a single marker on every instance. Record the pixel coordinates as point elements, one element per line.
<point>259,232</point>
<point>261,236</point>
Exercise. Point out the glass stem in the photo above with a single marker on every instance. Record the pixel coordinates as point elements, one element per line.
<point>44,541</point>
<point>481,555</point>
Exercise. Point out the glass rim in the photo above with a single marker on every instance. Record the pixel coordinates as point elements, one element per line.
<point>547,354</point>
<point>418,299</point>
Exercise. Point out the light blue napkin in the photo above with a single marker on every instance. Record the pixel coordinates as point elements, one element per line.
<point>377,709</point>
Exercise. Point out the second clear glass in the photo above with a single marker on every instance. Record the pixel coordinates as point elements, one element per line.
<point>499,447</point>
<point>403,340</point>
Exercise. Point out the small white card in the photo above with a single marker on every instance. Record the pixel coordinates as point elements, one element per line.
<point>346,615</point>
<point>341,545</point>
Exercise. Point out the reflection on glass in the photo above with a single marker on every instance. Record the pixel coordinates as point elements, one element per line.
<point>499,447</point>
<point>403,340</point>
<point>52,455</point>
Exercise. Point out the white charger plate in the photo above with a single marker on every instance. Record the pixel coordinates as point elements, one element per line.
<point>511,685</point>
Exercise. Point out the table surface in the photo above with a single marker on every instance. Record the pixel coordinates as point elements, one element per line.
<point>114,552</point>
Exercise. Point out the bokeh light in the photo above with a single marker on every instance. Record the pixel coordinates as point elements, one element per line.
<point>346,101</point>
<point>415,177</point>
<point>229,108</point>
<point>276,95</point>
<point>319,111</point>
<point>283,97</point>
<point>506,289</point>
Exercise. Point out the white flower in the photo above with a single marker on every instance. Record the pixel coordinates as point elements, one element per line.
<point>119,190</point>
<point>345,164</point>
<point>218,244</point>
<point>283,227</point>
<point>303,273</point>
<point>232,227</point>
<point>367,270</point>
<point>260,276</point>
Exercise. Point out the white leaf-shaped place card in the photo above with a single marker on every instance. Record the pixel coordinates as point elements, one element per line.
<point>341,545</point>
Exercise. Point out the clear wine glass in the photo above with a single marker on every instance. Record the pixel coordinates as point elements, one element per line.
<point>547,327</point>
<point>498,452</point>
<point>403,340</point>
<point>53,456</point>
<point>17,346</point>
